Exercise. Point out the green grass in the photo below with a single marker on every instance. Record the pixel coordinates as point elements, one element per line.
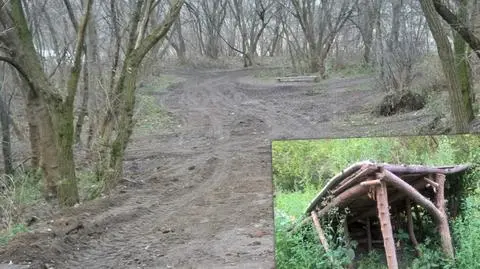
<point>24,189</point>
<point>7,235</point>
<point>89,187</point>
<point>150,116</point>
<point>353,70</point>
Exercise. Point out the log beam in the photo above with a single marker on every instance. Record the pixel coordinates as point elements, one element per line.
<point>411,232</point>
<point>352,179</point>
<point>398,196</point>
<point>386,226</point>
<point>443,227</point>
<point>321,235</point>
<point>370,182</point>
<point>344,198</point>
<point>431,182</point>
<point>416,169</point>
<point>412,193</point>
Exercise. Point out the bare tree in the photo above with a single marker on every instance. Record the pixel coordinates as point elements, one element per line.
<point>57,125</point>
<point>118,122</point>
<point>320,23</point>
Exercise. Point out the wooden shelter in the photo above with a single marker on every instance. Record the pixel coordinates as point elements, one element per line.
<point>375,194</point>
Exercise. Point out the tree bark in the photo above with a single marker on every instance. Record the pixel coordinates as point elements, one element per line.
<point>461,62</point>
<point>459,108</point>
<point>344,198</point>
<point>443,227</point>
<point>56,120</point>
<point>458,25</point>
<point>410,225</point>
<point>118,122</point>
<point>6,136</point>
<point>386,225</point>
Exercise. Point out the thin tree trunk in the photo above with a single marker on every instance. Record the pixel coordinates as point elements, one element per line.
<point>84,105</point>
<point>6,137</point>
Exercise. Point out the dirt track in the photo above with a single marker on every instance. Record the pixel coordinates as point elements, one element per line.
<point>203,192</point>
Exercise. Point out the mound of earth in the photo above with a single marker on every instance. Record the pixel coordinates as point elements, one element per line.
<point>400,102</point>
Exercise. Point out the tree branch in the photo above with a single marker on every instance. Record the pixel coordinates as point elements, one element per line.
<point>466,33</point>
<point>17,67</point>
<point>71,14</point>
<point>159,32</point>
<point>77,64</point>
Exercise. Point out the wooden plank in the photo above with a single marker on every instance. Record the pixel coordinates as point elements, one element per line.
<point>299,79</point>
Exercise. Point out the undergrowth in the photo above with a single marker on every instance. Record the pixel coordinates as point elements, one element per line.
<point>150,116</point>
<point>24,190</point>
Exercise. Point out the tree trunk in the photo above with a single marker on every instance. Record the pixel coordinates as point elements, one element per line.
<point>443,227</point>
<point>462,64</point>
<point>84,105</point>
<point>118,123</point>
<point>6,137</point>
<point>460,110</point>
<point>181,52</point>
<point>56,111</point>
<point>33,129</point>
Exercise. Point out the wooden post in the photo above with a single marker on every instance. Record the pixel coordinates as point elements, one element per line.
<point>346,233</point>
<point>386,225</point>
<point>321,235</point>
<point>369,235</point>
<point>411,232</point>
<point>443,227</point>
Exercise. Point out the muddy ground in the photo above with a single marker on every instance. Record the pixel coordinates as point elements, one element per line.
<point>199,195</point>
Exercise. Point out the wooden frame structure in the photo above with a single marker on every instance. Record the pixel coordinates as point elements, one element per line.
<point>372,190</point>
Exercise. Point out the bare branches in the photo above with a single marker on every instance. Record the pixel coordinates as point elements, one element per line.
<point>71,14</point>
<point>159,32</point>
<point>77,64</point>
<point>462,29</point>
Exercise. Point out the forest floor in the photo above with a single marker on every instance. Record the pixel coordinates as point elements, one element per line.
<point>199,194</point>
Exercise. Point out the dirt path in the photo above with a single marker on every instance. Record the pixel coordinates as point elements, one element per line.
<point>203,197</point>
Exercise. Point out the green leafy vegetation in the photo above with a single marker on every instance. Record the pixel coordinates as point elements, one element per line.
<point>7,235</point>
<point>301,168</point>
<point>24,189</point>
<point>150,116</point>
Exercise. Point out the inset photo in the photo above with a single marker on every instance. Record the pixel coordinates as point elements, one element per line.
<point>380,202</point>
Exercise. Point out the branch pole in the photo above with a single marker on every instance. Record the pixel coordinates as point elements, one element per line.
<point>386,226</point>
